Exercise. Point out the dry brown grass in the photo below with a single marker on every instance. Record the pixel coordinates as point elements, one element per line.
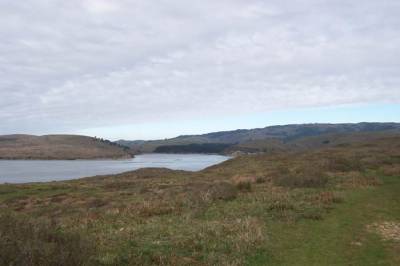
<point>210,191</point>
<point>387,230</point>
<point>31,242</point>
<point>56,147</point>
<point>244,183</point>
<point>303,177</point>
<point>355,179</point>
<point>244,179</point>
<point>156,208</point>
<point>328,197</point>
<point>390,170</point>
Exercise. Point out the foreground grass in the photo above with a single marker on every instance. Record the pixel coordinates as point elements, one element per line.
<point>330,207</point>
<point>342,237</point>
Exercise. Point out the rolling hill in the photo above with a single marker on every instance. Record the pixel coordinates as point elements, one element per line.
<point>59,147</point>
<point>272,138</point>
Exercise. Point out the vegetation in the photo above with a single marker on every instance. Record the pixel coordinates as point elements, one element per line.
<point>193,148</point>
<point>60,147</point>
<point>270,139</point>
<point>337,205</point>
<point>27,242</point>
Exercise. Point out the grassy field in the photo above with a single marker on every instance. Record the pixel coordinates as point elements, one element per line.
<point>334,206</point>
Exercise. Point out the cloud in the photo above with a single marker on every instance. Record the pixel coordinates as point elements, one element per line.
<point>68,65</point>
<point>100,6</point>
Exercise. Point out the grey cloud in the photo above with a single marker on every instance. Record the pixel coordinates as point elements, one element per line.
<point>79,64</point>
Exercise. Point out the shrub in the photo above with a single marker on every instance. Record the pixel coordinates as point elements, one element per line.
<point>261,180</point>
<point>355,179</point>
<point>328,197</point>
<point>243,183</point>
<point>27,242</point>
<point>280,205</point>
<point>157,207</point>
<point>244,179</point>
<point>391,170</point>
<point>363,182</point>
<point>201,192</point>
<point>312,214</point>
<point>223,191</point>
<point>244,186</point>
<point>96,203</point>
<point>229,239</point>
<point>303,178</point>
<point>343,164</point>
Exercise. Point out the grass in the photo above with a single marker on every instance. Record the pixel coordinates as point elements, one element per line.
<point>324,207</point>
<point>28,242</point>
<point>341,238</point>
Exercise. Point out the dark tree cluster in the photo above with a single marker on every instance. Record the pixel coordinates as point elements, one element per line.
<point>109,142</point>
<point>193,148</point>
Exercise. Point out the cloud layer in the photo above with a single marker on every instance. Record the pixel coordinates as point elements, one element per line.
<point>79,64</point>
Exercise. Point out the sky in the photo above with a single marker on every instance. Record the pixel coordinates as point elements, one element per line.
<point>147,69</point>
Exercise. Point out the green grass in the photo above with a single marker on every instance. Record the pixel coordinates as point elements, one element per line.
<point>341,238</point>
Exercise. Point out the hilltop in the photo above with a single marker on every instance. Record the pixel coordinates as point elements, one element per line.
<point>266,139</point>
<point>59,147</point>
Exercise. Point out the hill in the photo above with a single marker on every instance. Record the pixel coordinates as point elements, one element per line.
<point>334,205</point>
<point>59,147</point>
<point>255,140</point>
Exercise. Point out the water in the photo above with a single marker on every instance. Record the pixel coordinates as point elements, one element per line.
<point>22,171</point>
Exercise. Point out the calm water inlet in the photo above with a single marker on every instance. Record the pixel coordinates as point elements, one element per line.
<point>23,171</point>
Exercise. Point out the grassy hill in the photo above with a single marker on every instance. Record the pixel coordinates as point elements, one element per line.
<point>336,204</point>
<point>260,139</point>
<point>311,142</point>
<point>55,147</point>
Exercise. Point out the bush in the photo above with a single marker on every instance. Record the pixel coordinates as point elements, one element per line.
<point>363,182</point>
<point>312,214</point>
<point>243,183</point>
<point>223,191</point>
<point>344,164</point>
<point>280,205</point>
<point>157,207</point>
<point>202,192</point>
<point>307,178</point>
<point>261,179</point>
<point>328,197</point>
<point>27,242</point>
<point>244,186</point>
<point>390,170</point>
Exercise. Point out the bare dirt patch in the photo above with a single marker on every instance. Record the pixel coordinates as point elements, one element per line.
<point>387,230</point>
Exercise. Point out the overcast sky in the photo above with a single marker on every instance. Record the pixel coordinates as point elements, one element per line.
<point>133,68</point>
